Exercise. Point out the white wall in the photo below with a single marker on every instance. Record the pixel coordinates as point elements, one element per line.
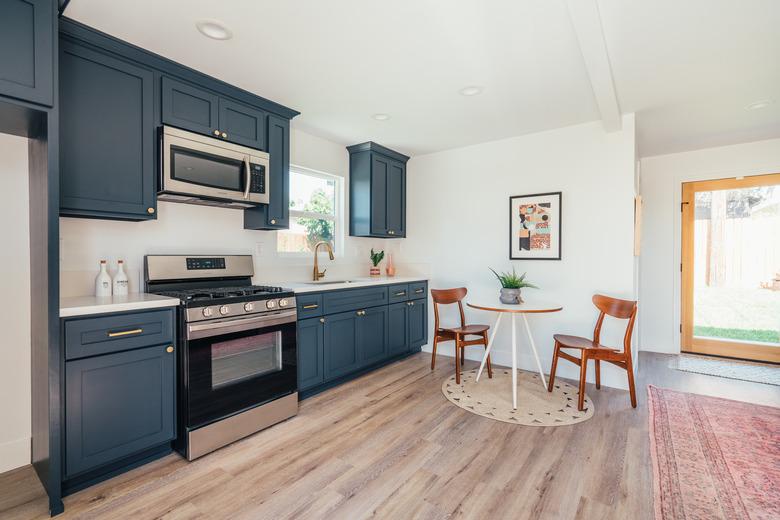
<point>661,185</point>
<point>15,321</point>
<point>181,228</point>
<point>457,212</point>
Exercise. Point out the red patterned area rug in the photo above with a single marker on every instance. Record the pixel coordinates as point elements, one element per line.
<point>713,458</point>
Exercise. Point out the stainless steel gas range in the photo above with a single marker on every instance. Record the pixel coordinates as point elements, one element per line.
<point>238,359</point>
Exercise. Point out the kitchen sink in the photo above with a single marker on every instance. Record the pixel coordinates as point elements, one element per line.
<point>328,282</point>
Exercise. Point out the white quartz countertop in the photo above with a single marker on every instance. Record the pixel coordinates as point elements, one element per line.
<point>352,283</point>
<point>86,305</point>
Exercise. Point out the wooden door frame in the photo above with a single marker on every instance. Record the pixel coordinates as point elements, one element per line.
<point>700,345</point>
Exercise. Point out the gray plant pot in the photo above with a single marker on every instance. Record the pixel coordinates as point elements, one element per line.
<point>510,296</point>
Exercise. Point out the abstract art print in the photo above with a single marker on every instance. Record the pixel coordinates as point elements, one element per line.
<point>535,226</point>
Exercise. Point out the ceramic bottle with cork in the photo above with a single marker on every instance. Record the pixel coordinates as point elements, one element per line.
<point>120,279</point>
<point>103,281</point>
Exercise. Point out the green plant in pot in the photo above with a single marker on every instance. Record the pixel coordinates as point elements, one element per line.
<point>376,257</point>
<point>511,285</point>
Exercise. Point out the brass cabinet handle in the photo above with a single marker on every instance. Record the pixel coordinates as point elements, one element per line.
<point>216,132</point>
<point>169,349</point>
<point>390,232</point>
<point>361,313</point>
<point>418,291</point>
<point>400,293</point>
<point>224,135</point>
<point>312,306</point>
<point>411,303</point>
<point>124,333</point>
<point>322,320</point>
<point>150,211</point>
<point>273,221</point>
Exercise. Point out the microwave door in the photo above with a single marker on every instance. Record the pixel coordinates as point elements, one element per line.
<point>247,176</point>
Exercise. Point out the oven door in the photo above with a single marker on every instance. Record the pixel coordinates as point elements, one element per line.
<point>237,365</point>
<point>194,165</point>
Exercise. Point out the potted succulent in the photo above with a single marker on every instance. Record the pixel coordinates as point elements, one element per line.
<point>511,284</point>
<point>376,257</point>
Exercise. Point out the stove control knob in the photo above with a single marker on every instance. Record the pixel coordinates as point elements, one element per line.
<point>224,310</point>
<point>207,312</point>
<point>270,304</point>
<point>284,302</point>
<point>249,307</point>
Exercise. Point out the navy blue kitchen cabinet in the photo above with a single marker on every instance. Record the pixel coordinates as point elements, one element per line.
<point>107,136</point>
<point>117,405</point>
<point>377,191</point>
<point>203,111</point>
<point>398,328</point>
<point>311,351</point>
<point>372,334</point>
<point>27,50</point>
<point>275,214</point>
<point>342,351</point>
<point>418,323</point>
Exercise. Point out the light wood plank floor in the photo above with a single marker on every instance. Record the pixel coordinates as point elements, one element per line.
<point>390,446</point>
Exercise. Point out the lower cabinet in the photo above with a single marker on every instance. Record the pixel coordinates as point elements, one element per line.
<point>398,328</point>
<point>371,328</point>
<point>418,323</point>
<point>311,345</point>
<point>341,344</point>
<point>117,405</point>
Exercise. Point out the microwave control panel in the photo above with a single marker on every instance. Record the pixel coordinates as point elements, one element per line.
<point>257,179</point>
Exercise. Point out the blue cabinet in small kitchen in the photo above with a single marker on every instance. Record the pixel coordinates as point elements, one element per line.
<point>342,350</point>
<point>27,32</point>
<point>311,345</point>
<point>275,214</point>
<point>372,334</point>
<point>377,191</point>
<point>398,328</point>
<point>107,136</point>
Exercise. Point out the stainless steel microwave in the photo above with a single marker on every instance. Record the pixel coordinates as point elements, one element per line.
<point>196,169</point>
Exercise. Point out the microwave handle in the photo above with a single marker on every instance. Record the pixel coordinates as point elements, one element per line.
<point>248,178</point>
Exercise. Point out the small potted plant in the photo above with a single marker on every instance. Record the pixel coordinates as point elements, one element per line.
<point>376,257</point>
<point>511,284</point>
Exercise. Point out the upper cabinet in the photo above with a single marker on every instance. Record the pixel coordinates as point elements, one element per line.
<point>27,50</point>
<point>275,214</point>
<point>107,136</point>
<point>377,191</point>
<point>200,110</point>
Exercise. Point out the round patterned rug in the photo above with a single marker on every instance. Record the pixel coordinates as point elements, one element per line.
<point>492,398</point>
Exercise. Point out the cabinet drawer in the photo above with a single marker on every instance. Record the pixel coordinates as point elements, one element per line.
<point>353,299</point>
<point>398,292</point>
<point>309,305</point>
<point>114,333</point>
<point>418,290</point>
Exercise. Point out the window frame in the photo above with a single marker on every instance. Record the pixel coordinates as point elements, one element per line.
<point>338,212</point>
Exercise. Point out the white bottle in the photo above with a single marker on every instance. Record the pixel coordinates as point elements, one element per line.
<point>103,281</point>
<point>120,279</point>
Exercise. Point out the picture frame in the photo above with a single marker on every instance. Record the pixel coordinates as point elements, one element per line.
<point>535,226</point>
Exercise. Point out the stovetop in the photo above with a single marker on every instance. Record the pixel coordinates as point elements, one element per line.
<point>214,295</point>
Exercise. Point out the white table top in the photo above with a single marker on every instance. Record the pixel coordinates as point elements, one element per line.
<point>86,305</point>
<point>530,305</point>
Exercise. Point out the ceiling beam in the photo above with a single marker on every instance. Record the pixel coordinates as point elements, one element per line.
<point>585,18</point>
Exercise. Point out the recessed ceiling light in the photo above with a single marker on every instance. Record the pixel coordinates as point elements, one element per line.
<point>471,91</point>
<point>381,117</point>
<point>214,29</point>
<point>758,105</point>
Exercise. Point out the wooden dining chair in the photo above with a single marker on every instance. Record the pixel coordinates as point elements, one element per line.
<point>457,334</point>
<point>593,349</point>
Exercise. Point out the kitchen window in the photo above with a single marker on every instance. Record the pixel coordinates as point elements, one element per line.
<point>315,211</point>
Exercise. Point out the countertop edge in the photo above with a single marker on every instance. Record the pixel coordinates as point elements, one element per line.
<point>302,288</point>
<point>112,307</point>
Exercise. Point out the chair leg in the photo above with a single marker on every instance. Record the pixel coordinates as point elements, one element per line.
<point>487,362</point>
<point>598,374</point>
<point>433,352</point>
<point>457,360</point>
<point>462,356</point>
<point>631,387</point>
<point>551,379</point>
<point>583,375</point>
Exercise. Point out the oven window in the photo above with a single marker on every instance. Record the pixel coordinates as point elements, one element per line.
<point>206,170</point>
<point>239,359</point>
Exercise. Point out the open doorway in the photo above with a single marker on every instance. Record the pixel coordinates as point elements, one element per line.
<point>731,268</point>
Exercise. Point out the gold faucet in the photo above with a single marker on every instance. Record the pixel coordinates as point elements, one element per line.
<point>317,273</point>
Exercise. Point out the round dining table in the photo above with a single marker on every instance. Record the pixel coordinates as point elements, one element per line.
<point>524,309</point>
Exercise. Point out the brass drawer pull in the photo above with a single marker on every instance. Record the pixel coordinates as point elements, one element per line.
<point>419,291</point>
<point>401,293</point>
<point>361,313</point>
<point>311,306</point>
<point>124,333</point>
<point>322,320</point>
<point>169,349</point>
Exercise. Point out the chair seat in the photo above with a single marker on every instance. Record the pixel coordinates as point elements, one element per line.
<point>467,329</point>
<point>578,342</point>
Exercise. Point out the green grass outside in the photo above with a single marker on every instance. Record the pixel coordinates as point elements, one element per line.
<point>764,336</point>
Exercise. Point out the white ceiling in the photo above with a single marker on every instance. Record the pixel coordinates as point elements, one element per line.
<point>687,68</point>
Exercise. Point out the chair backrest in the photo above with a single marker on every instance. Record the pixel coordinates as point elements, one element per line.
<point>447,297</point>
<point>621,309</point>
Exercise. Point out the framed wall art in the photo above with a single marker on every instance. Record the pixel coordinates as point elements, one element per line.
<point>535,226</point>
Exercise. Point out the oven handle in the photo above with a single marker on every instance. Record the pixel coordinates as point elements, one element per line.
<point>248,178</point>
<point>215,328</point>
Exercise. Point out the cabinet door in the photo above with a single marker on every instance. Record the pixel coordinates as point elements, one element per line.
<point>107,136</point>
<point>372,335</point>
<point>190,108</point>
<point>396,199</point>
<point>275,214</point>
<point>397,328</point>
<point>26,50</point>
<point>242,124</point>
<point>311,344</point>
<point>341,344</point>
<point>379,171</point>
<point>418,323</point>
<point>117,405</point>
